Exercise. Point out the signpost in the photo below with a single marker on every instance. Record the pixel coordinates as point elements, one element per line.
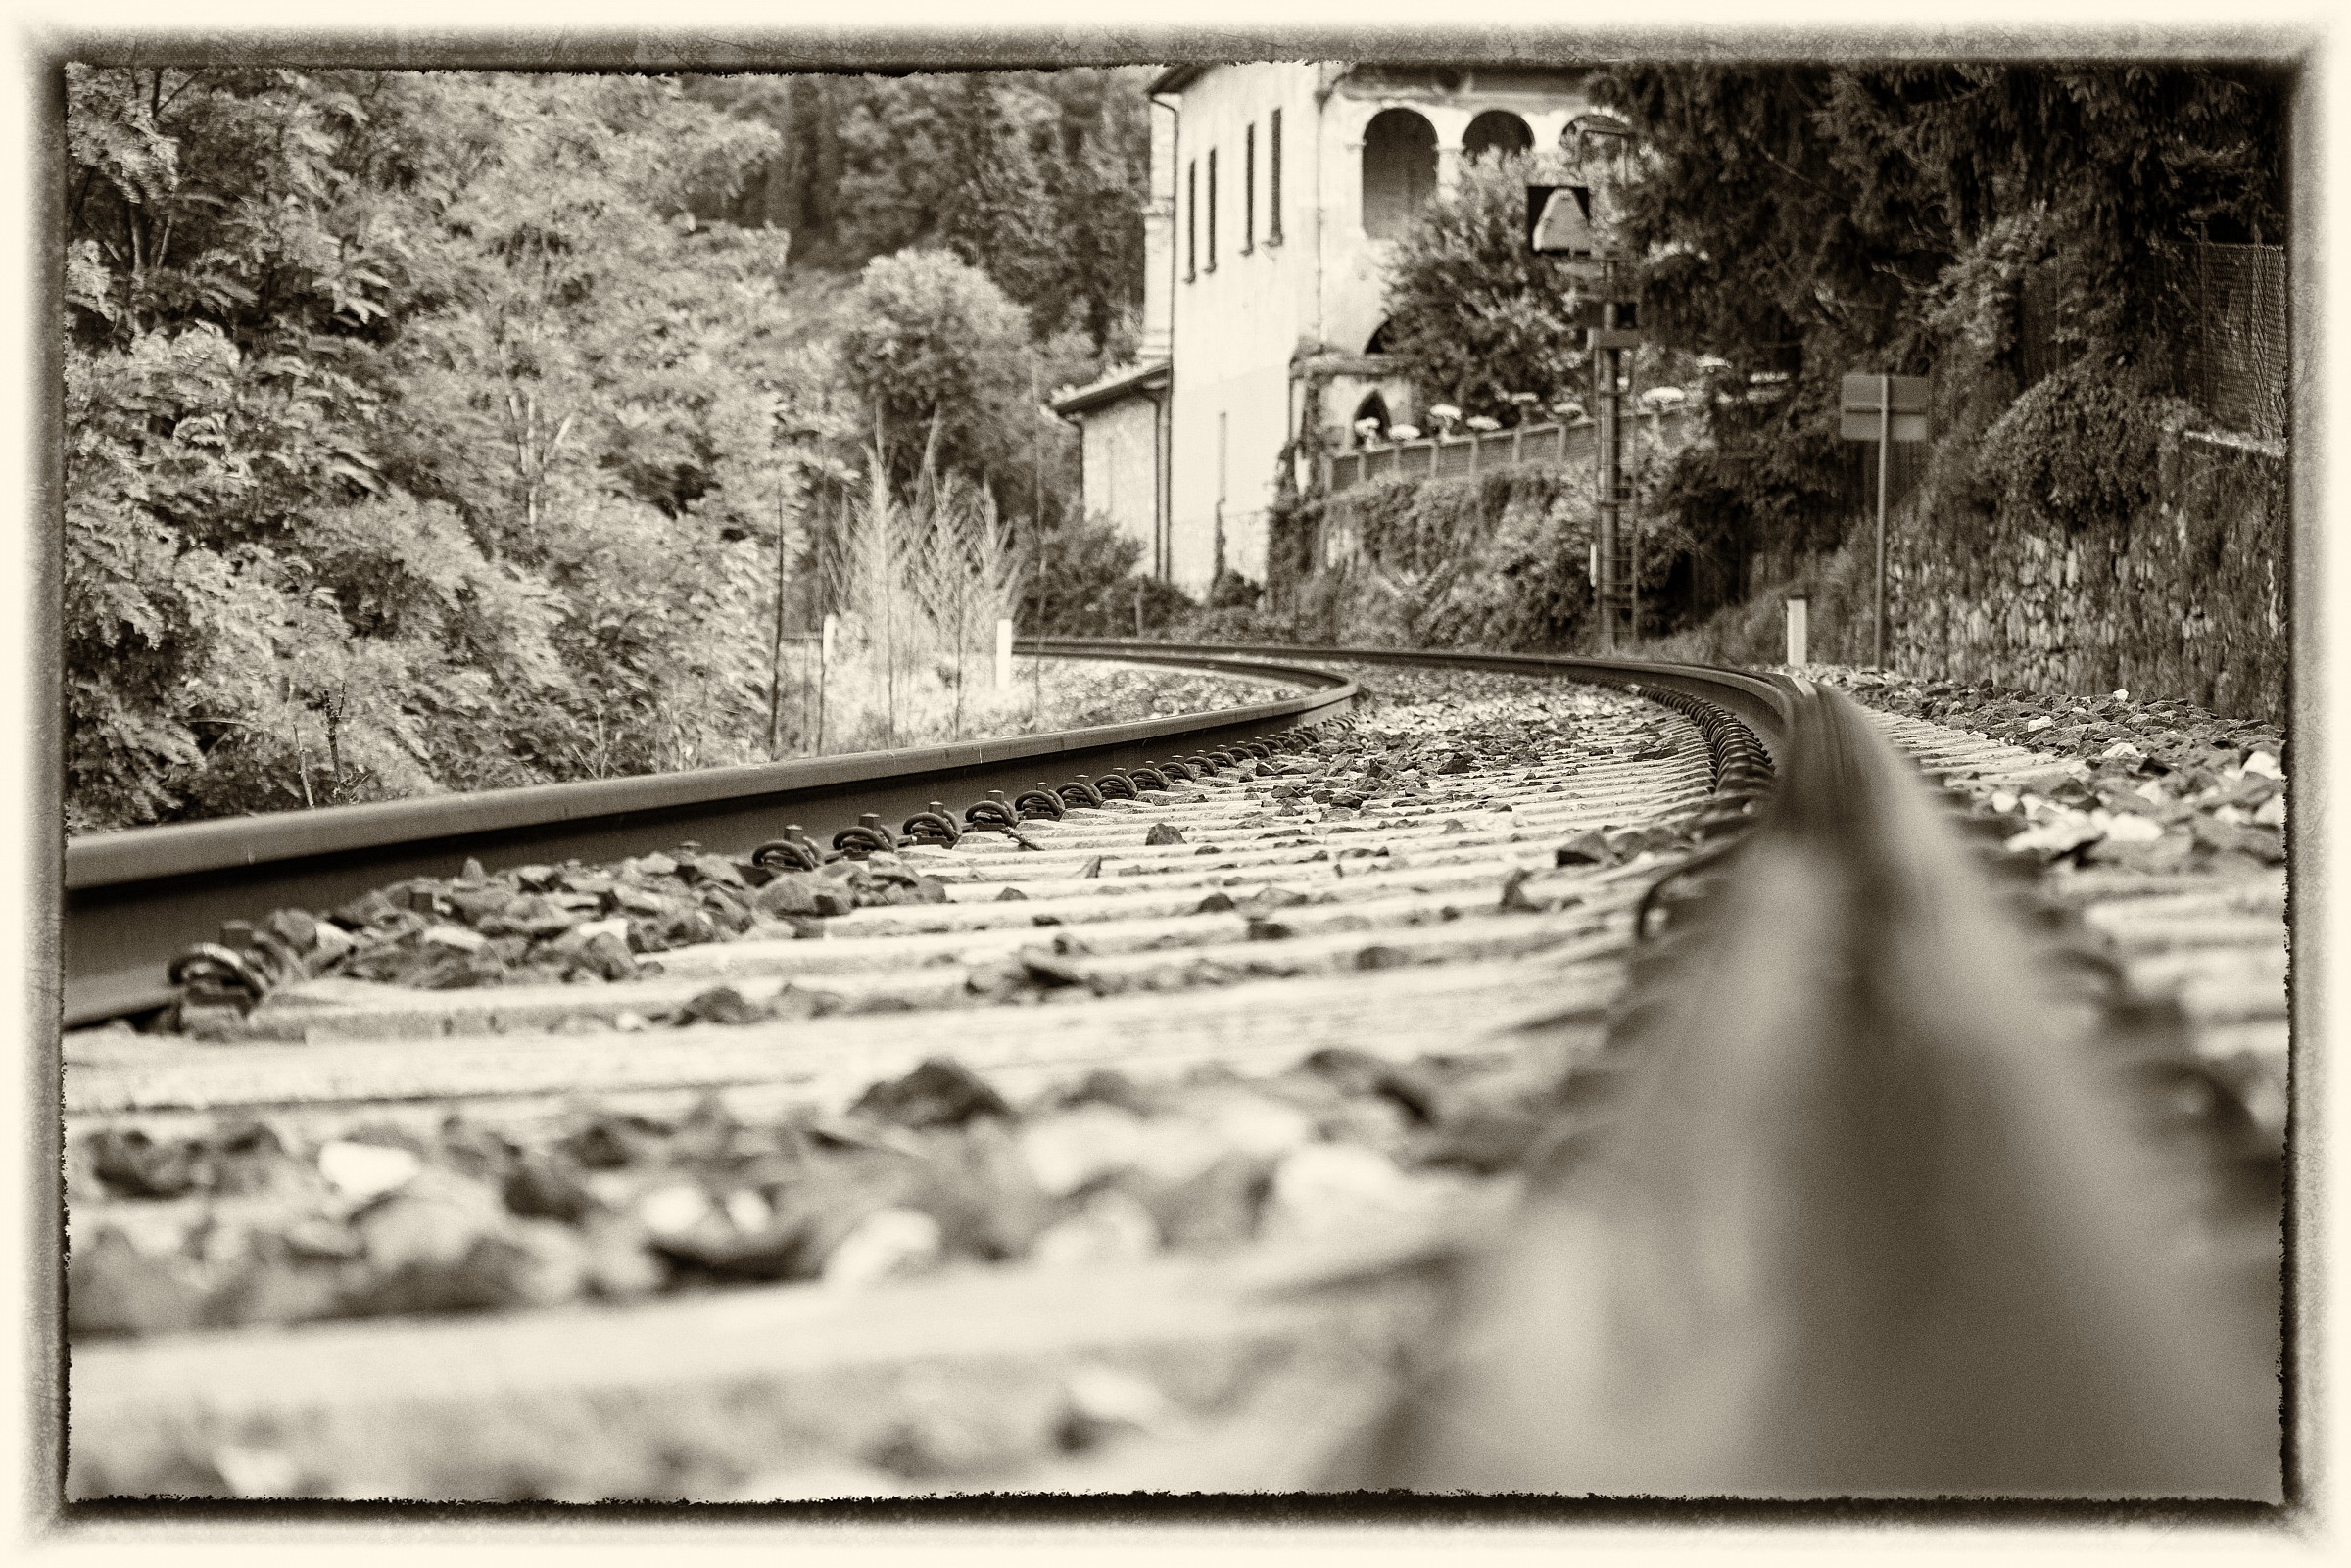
<point>1883,409</point>
<point>1561,223</point>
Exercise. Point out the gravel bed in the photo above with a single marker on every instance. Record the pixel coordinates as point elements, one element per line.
<point>575,924</point>
<point>252,1221</point>
<point>2158,786</point>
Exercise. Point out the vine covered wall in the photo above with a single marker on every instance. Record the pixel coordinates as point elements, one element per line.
<point>1497,560</point>
<point>2185,596</point>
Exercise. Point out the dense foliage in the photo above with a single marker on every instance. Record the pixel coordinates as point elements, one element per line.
<point>433,431</point>
<point>1473,313</point>
<point>1081,582</point>
<point>944,359</point>
<point>1804,220</point>
<point>1034,178</point>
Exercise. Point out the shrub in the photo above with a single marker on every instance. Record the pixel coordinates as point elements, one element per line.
<point>2077,448</point>
<point>1081,582</point>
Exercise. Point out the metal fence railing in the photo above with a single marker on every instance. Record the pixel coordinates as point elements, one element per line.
<point>1459,456</point>
<point>2230,343</point>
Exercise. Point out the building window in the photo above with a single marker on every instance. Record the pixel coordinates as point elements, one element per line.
<point>1497,131</point>
<point>1273,178</point>
<point>1400,170</point>
<point>1248,190</point>
<point>1375,412</point>
<point>1212,209</point>
<point>1191,221</point>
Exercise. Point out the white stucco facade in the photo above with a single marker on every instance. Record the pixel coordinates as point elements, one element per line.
<point>1266,288</point>
<point>1122,425</point>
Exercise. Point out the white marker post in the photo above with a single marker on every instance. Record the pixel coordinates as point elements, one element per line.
<point>824,672</point>
<point>1800,626</point>
<point>1003,670</point>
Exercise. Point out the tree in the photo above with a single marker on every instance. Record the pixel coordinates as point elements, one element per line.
<point>1473,313</point>
<point>1801,221</point>
<point>942,358</point>
<point>384,390</point>
<point>1036,178</point>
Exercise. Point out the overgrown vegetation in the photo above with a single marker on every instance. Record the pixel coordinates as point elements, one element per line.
<point>1498,560</point>
<point>439,431</point>
<point>1032,178</point>
<point>2003,228</point>
<point>1802,221</point>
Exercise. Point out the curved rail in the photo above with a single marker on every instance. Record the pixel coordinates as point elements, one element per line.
<point>1854,1208</point>
<point>1851,1204</point>
<point>136,899</point>
<point>1763,704</point>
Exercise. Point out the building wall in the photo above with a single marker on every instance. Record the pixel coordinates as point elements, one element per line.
<point>1159,236</point>
<point>1236,326</point>
<point>1354,264</point>
<point>1119,468</point>
<point>1236,323</point>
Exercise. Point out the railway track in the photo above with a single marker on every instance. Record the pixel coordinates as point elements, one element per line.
<point>1549,1076</point>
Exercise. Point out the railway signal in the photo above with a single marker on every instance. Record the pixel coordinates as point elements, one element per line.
<point>1883,409</point>
<point>1560,221</point>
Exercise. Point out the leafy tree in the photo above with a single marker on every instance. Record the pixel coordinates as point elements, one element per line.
<point>382,390</point>
<point>944,359</point>
<point>1473,313</point>
<point>1800,221</point>
<point>1036,178</point>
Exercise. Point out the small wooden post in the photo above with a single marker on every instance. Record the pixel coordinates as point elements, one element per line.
<point>1003,669</point>
<point>1798,629</point>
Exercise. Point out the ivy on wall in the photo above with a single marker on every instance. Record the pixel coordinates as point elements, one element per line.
<point>1491,560</point>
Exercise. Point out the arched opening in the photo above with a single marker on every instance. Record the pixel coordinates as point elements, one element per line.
<point>1497,131</point>
<point>1373,408</point>
<point>1400,170</point>
<point>1377,343</point>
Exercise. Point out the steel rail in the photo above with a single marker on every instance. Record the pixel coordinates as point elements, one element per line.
<point>135,898</point>
<point>1852,1207</point>
<point>1845,1208</point>
<point>1761,703</point>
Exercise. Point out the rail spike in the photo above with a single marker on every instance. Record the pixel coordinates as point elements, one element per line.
<point>868,837</point>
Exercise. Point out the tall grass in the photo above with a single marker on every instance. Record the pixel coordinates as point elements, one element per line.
<point>920,584</point>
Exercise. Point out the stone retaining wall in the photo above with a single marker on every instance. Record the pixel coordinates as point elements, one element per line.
<point>2186,599</point>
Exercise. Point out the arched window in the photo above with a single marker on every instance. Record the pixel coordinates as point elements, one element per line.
<point>1400,170</point>
<point>1497,130</point>
<point>1378,342</point>
<point>1373,406</point>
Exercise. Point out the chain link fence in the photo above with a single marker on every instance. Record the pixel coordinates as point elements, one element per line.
<point>2230,348</point>
<point>2233,356</point>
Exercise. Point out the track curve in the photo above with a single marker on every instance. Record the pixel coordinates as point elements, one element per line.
<point>1505,1004</point>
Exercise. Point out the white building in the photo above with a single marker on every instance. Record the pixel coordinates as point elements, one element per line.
<point>1278,190</point>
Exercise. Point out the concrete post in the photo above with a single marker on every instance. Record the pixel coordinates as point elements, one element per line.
<point>1003,668</point>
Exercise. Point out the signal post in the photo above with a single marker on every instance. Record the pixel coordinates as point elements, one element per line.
<point>1559,222</point>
